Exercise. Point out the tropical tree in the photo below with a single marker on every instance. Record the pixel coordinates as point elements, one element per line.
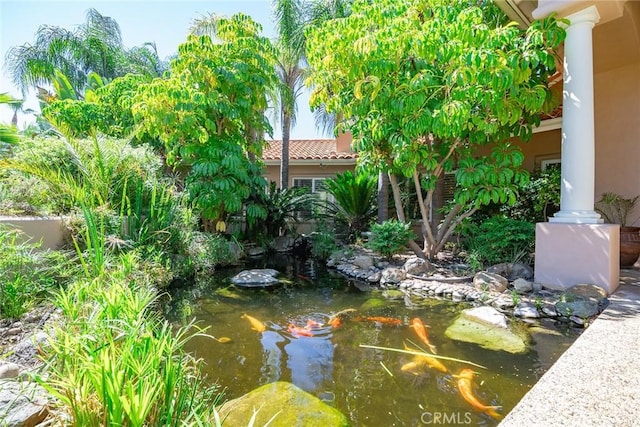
<point>423,84</point>
<point>7,133</point>
<point>95,46</point>
<point>353,203</point>
<point>210,115</point>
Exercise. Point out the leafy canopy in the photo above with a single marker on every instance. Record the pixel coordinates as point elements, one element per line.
<point>423,83</point>
<point>210,114</point>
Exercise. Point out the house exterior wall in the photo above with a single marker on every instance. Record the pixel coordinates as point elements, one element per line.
<point>272,172</point>
<point>617,126</point>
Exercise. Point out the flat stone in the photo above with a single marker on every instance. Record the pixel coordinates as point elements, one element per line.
<point>22,404</point>
<point>512,271</point>
<point>487,315</point>
<point>281,404</point>
<point>587,291</point>
<point>375,277</point>
<point>256,278</point>
<point>580,308</point>
<point>255,252</point>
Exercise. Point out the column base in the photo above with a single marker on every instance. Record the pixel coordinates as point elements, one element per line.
<point>577,217</point>
<point>570,254</point>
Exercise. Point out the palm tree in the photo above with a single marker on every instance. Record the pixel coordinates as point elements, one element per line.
<point>291,18</point>
<point>7,133</point>
<point>95,46</point>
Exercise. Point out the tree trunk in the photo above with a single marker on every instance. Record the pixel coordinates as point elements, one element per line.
<point>284,161</point>
<point>383,197</point>
<point>395,189</point>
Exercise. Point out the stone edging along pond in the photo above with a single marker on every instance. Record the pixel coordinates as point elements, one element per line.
<point>507,287</point>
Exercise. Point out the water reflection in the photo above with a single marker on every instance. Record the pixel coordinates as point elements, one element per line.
<point>310,360</point>
<point>271,357</point>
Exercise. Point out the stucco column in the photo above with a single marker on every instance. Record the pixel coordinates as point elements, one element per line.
<point>578,134</point>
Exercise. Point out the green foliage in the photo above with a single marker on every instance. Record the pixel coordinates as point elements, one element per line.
<point>354,205</point>
<point>282,207</point>
<point>615,208</point>
<point>390,237</point>
<point>536,198</point>
<point>500,239</point>
<point>115,362</point>
<point>210,115</point>
<point>8,134</point>
<point>423,84</point>
<point>107,111</point>
<point>27,275</point>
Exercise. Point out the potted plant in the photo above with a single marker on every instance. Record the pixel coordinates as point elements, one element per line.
<point>616,209</point>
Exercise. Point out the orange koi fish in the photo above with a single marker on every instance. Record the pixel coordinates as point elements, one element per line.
<point>256,325</point>
<point>419,362</point>
<point>385,320</point>
<point>465,385</point>
<point>301,332</point>
<point>421,332</point>
<point>335,322</point>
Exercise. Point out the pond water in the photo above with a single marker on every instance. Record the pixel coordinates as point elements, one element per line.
<point>368,385</point>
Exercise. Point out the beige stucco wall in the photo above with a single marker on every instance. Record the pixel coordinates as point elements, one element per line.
<point>49,231</point>
<point>306,171</point>
<point>617,111</point>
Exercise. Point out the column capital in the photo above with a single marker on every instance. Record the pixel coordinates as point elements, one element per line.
<point>588,15</point>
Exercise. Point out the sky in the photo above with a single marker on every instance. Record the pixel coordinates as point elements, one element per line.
<point>164,22</point>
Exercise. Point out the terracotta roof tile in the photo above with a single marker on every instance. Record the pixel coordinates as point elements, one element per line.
<point>306,149</point>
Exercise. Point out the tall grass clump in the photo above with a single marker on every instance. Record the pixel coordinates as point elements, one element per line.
<point>114,361</point>
<point>27,275</point>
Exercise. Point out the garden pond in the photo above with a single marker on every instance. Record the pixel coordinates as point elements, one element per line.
<point>371,386</point>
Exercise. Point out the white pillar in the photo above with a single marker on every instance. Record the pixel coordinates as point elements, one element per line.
<point>578,139</point>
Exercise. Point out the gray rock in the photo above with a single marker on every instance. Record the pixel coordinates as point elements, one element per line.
<point>416,266</point>
<point>375,277</point>
<point>331,263</point>
<point>522,286</point>
<point>487,315</point>
<point>526,310</point>
<point>504,302</point>
<point>587,291</point>
<point>22,404</point>
<point>512,271</point>
<point>256,251</point>
<point>579,308</point>
<point>8,370</point>
<point>392,275</point>
<point>283,243</point>
<point>492,282</point>
<point>256,277</point>
<point>27,350</point>
<point>364,262</point>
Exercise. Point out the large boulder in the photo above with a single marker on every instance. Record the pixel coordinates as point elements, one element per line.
<point>22,404</point>
<point>488,333</point>
<point>287,404</point>
<point>485,281</point>
<point>582,301</point>
<point>256,278</point>
<point>417,266</point>
<point>512,271</point>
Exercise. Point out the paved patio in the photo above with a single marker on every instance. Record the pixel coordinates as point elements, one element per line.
<point>596,382</point>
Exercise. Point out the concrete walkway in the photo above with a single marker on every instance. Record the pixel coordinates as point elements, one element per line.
<point>596,382</point>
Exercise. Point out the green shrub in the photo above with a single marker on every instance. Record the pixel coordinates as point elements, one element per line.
<point>26,274</point>
<point>390,237</point>
<point>354,205</point>
<point>500,239</point>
